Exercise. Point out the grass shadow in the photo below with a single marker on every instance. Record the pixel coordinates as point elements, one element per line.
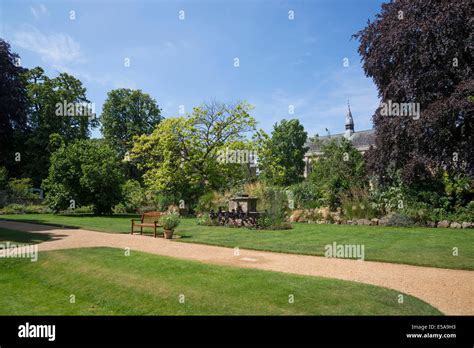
<point>23,237</point>
<point>44,223</point>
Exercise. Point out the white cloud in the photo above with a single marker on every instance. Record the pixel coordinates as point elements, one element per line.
<point>38,11</point>
<point>62,53</point>
<point>54,48</point>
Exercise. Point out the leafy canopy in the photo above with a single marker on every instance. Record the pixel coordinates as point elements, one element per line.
<point>87,172</point>
<point>127,113</point>
<point>281,156</point>
<point>44,95</point>
<point>181,156</point>
<point>13,99</point>
<point>420,51</point>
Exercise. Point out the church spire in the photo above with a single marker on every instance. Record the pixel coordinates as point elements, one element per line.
<point>349,122</point>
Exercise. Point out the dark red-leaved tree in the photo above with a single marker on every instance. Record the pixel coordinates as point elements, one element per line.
<point>13,100</point>
<point>421,51</point>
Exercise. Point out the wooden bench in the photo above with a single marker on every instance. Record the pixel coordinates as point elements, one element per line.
<point>149,219</point>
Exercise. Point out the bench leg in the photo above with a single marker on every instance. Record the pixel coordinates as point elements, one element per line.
<point>155,231</point>
<point>141,229</point>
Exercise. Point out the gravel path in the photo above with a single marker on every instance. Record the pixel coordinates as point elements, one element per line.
<point>451,291</point>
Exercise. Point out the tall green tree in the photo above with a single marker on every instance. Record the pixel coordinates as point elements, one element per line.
<point>183,156</point>
<point>13,104</point>
<point>85,172</point>
<point>125,114</point>
<point>281,156</point>
<point>421,51</point>
<point>53,105</point>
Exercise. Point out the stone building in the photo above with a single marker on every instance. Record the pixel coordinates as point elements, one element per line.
<point>362,140</point>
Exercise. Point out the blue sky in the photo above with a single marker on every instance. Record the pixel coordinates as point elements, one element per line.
<point>283,62</point>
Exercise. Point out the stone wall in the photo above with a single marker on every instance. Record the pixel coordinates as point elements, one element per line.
<point>325,216</point>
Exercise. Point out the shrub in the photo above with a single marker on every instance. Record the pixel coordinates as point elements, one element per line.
<point>340,168</point>
<point>20,188</point>
<point>274,201</point>
<point>207,221</point>
<point>205,203</point>
<point>438,214</point>
<point>212,201</point>
<point>399,220</point>
<point>305,195</point>
<point>264,221</point>
<point>146,208</point>
<point>441,198</point>
<point>389,199</point>
<point>160,201</point>
<point>356,204</point>
<point>14,209</point>
<point>268,222</point>
<point>133,197</point>
<point>120,209</point>
<point>256,189</point>
<point>57,197</point>
<point>458,189</point>
<point>3,178</point>
<point>276,205</point>
<point>37,209</point>
<point>87,209</point>
<point>170,221</point>
<point>25,209</point>
<point>419,215</point>
<point>463,214</point>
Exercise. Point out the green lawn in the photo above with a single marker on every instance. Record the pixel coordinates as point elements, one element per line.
<point>416,246</point>
<point>114,223</point>
<point>106,282</point>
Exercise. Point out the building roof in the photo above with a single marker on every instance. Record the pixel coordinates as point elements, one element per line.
<point>362,140</point>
